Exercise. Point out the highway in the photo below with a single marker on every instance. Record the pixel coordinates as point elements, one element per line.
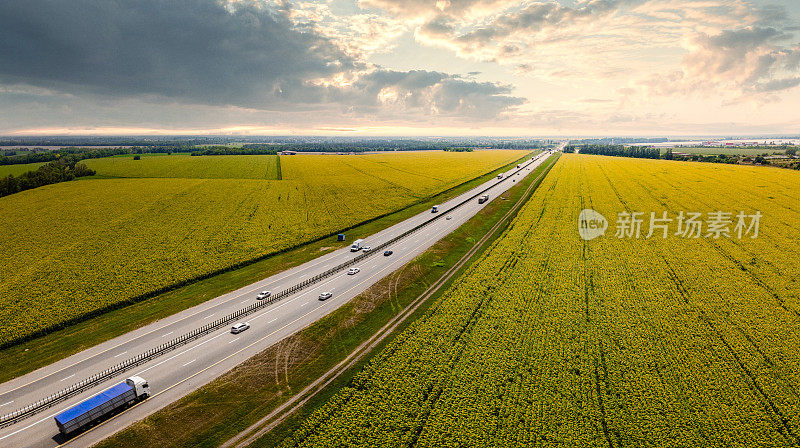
<point>189,367</point>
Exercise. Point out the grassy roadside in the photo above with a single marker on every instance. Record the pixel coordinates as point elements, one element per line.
<point>30,355</point>
<point>239,398</point>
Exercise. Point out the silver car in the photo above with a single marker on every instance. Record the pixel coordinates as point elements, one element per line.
<point>263,295</point>
<point>353,271</point>
<point>240,327</point>
<point>325,296</point>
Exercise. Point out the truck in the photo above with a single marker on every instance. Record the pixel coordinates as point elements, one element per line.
<point>435,209</point>
<point>483,199</point>
<point>102,405</point>
<point>356,246</point>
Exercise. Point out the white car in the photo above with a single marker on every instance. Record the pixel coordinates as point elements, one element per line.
<point>366,249</point>
<point>240,327</point>
<point>353,271</point>
<point>449,217</point>
<point>263,295</point>
<point>325,296</point>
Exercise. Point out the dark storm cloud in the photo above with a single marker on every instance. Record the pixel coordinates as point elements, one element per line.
<point>192,49</point>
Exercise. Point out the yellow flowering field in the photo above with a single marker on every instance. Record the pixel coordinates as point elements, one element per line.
<point>553,340</point>
<point>187,166</point>
<point>72,248</point>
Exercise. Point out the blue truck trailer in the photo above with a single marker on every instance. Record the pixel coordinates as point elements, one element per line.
<point>102,405</point>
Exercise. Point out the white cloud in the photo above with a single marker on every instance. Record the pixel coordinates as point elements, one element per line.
<point>734,64</point>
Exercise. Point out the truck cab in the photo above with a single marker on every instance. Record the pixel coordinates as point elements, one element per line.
<point>435,209</point>
<point>140,385</point>
<point>356,246</point>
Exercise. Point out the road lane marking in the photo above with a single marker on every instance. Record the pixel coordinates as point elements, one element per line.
<point>234,340</point>
<point>209,315</point>
<point>117,356</point>
<point>189,362</point>
<point>181,353</point>
<point>273,320</point>
<point>64,379</point>
<point>299,296</point>
<point>7,403</point>
<point>165,335</point>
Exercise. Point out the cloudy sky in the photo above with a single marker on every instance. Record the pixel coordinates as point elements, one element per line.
<point>400,67</point>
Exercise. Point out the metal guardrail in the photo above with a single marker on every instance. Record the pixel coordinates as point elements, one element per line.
<point>88,383</point>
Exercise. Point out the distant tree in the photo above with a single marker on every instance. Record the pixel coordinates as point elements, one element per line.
<point>137,157</point>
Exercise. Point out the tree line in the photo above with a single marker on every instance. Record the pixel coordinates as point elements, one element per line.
<point>248,150</point>
<point>639,152</point>
<point>47,155</point>
<point>61,170</point>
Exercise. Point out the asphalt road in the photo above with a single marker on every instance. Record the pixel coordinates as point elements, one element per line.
<point>191,366</point>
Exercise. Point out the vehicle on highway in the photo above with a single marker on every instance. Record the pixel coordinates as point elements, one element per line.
<point>325,296</point>
<point>353,271</point>
<point>240,327</point>
<point>449,217</point>
<point>435,209</point>
<point>102,405</point>
<point>483,198</point>
<point>263,295</point>
<point>366,249</point>
<point>499,176</point>
<point>387,253</point>
<point>356,246</point>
